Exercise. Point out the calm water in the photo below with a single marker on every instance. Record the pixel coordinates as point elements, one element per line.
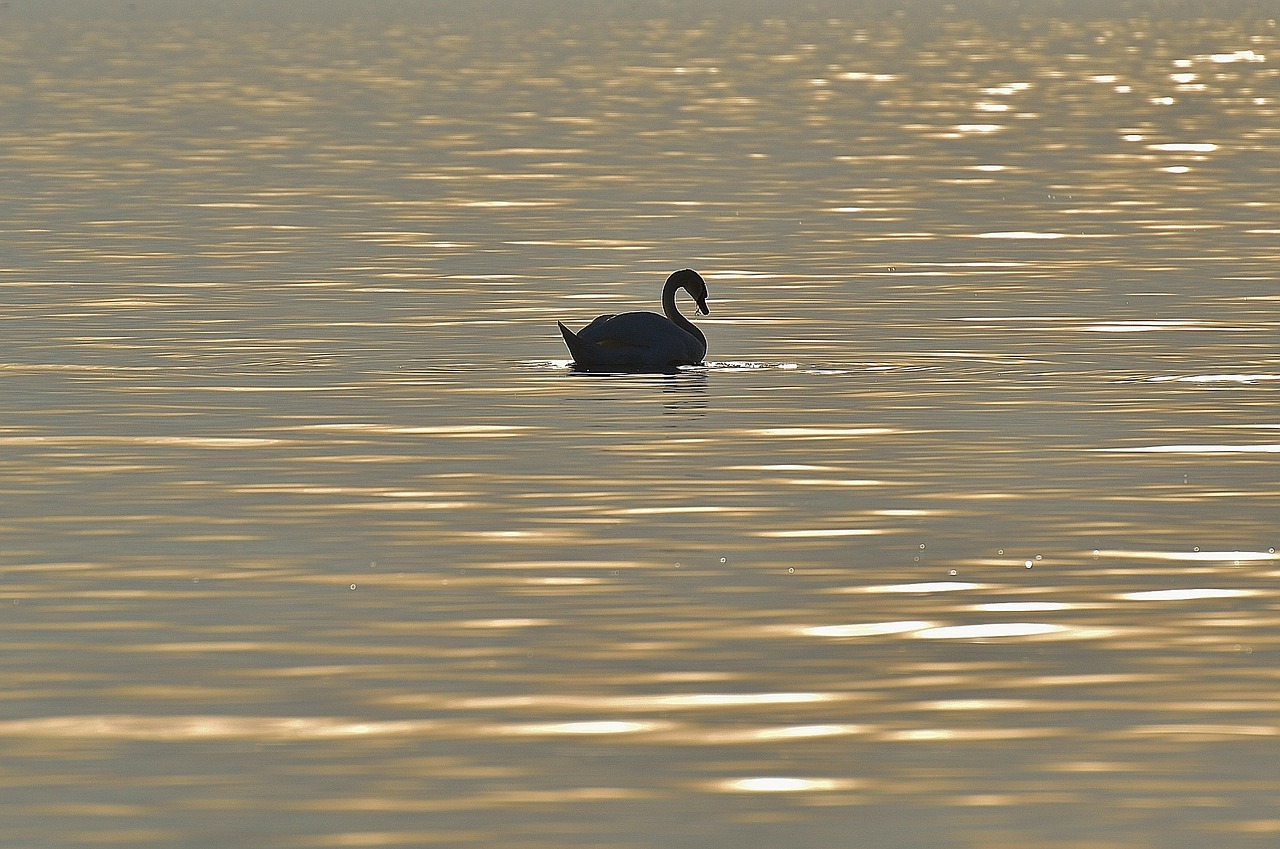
<point>965,535</point>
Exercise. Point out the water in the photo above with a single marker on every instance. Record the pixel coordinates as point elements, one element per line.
<point>963,536</point>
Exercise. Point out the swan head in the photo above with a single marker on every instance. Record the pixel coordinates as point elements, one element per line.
<point>691,282</point>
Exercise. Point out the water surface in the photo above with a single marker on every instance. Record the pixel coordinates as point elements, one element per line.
<point>964,535</point>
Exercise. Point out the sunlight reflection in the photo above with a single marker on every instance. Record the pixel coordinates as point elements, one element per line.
<point>1261,448</point>
<point>782,785</point>
<point>800,732</point>
<point>586,728</point>
<point>1175,147</point>
<point>460,430</point>
<point>1019,234</point>
<point>649,702</point>
<point>867,629</point>
<point>822,432</point>
<point>810,533</point>
<point>1216,378</point>
<point>1007,89</point>
<point>864,76</point>
<point>948,735</point>
<point>505,623</point>
<point>1140,325</point>
<point>1235,56</point>
<point>540,565</point>
<point>130,727</point>
<point>1004,630</point>
<point>980,704</point>
<point>834,482</point>
<point>923,587</point>
<point>985,800</point>
<point>1207,556</point>
<point>1022,606</point>
<point>989,630</point>
<point>1207,731</point>
<point>785,467</point>
<point>691,508</point>
<point>1187,594</point>
<point>229,442</point>
<point>727,699</point>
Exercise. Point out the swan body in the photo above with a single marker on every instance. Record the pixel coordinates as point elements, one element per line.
<point>644,341</point>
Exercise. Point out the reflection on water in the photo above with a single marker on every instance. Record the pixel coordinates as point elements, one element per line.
<point>963,535</point>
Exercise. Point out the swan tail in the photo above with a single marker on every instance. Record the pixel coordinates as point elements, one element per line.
<point>571,341</point>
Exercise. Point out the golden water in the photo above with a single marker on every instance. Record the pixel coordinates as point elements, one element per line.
<point>964,536</point>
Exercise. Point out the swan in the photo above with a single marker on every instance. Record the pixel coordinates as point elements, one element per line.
<point>644,341</point>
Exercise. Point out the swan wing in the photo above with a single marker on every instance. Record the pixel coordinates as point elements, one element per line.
<point>600,319</point>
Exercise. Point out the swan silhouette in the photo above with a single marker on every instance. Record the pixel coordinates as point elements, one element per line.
<point>644,341</point>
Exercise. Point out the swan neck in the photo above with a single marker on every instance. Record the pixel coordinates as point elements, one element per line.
<point>672,312</point>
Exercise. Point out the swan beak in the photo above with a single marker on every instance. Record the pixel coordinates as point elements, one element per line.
<point>702,306</point>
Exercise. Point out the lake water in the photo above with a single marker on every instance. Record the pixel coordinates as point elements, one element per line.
<point>964,535</point>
